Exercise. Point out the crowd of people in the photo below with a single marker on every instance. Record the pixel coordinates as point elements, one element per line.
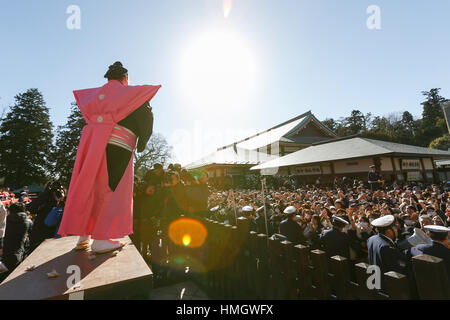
<point>8,197</point>
<point>163,196</point>
<point>350,220</point>
<point>26,223</point>
<point>414,206</point>
<point>342,219</point>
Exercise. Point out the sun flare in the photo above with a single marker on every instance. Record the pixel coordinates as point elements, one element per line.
<point>186,240</point>
<point>227,6</point>
<point>218,70</point>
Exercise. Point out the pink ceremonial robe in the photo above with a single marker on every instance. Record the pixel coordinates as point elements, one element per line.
<point>92,208</point>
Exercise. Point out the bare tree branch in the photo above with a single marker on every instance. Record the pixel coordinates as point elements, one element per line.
<point>157,151</point>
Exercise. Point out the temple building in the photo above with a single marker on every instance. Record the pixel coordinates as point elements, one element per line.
<point>443,169</point>
<point>352,156</point>
<point>305,148</point>
<point>229,164</point>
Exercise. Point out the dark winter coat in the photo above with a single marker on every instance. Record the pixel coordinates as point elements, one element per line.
<point>18,225</point>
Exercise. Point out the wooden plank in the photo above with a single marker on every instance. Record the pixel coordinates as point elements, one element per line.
<point>99,274</point>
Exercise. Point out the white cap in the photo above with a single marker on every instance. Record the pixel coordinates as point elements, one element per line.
<point>384,221</point>
<point>247,209</point>
<point>341,220</point>
<point>214,209</point>
<point>439,229</point>
<point>290,209</point>
<point>419,237</point>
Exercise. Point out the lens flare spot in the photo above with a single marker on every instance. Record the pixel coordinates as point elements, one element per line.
<point>179,260</point>
<point>227,6</point>
<point>186,240</point>
<point>187,232</point>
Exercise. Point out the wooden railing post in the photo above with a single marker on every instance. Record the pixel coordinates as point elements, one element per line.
<point>263,268</point>
<point>364,292</point>
<point>274,267</point>
<point>221,247</point>
<point>158,258</point>
<point>304,281</point>
<point>341,277</point>
<point>234,269</point>
<point>253,264</point>
<point>320,274</point>
<point>227,263</point>
<point>243,259</point>
<point>288,271</point>
<point>396,285</point>
<point>431,277</point>
<point>211,256</point>
<point>207,256</point>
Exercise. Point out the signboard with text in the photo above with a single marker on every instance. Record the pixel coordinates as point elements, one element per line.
<point>411,164</point>
<point>308,171</point>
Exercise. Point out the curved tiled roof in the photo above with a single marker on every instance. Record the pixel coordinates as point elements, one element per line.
<point>348,148</point>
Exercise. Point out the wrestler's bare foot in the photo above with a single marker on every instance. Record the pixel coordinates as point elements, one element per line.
<point>104,246</point>
<point>83,243</point>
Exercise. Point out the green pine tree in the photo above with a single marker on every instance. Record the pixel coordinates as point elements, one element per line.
<point>433,124</point>
<point>67,140</point>
<point>26,141</point>
<point>356,123</point>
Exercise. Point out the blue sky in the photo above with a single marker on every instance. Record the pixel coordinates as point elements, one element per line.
<point>306,55</point>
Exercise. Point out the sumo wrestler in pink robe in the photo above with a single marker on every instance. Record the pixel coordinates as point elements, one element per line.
<point>92,208</point>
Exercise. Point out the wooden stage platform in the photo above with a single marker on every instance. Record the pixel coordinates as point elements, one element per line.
<point>108,276</point>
